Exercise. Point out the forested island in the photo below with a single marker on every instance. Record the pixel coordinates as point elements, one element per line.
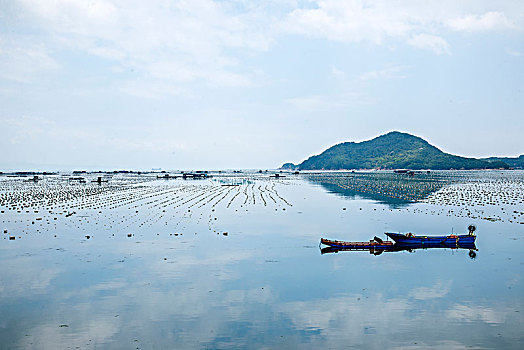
<point>397,150</point>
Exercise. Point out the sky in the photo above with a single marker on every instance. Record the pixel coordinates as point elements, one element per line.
<point>201,84</point>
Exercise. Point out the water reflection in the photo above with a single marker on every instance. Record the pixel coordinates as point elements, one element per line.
<point>402,247</point>
<point>395,190</point>
<point>179,282</point>
<point>395,203</point>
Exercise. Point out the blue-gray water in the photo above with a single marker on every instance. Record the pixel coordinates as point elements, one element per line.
<point>213,266</point>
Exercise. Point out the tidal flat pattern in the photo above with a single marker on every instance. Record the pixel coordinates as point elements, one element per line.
<point>488,195</point>
<point>130,203</point>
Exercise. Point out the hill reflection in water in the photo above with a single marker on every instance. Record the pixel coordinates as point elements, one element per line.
<point>350,194</point>
<point>395,190</point>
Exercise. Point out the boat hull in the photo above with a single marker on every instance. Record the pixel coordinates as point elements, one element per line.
<point>434,240</point>
<point>399,247</point>
<point>357,245</point>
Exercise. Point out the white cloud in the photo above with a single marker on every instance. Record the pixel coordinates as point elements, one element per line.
<point>21,61</point>
<point>478,312</point>
<point>97,331</point>
<point>430,42</point>
<point>357,21</point>
<point>206,41</point>
<point>153,88</point>
<point>36,279</point>
<point>392,72</point>
<point>488,21</point>
<point>327,102</point>
<point>173,41</point>
<point>514,53</point>
<point>338,73</point>
<point>349,21</point>
<point>322,314</point>
<point>108,52</point>
<point>439,290</point>
<point>26,128</point>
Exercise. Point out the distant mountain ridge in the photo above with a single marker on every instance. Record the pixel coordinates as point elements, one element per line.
<point>517,162</point>
<point>395,150</point>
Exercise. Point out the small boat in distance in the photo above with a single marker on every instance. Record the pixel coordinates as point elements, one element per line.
<point>410,238</point>
<point>377,249</point>
<point>405,242</point>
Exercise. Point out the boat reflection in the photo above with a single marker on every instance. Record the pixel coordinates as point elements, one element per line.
<point>409,247</point>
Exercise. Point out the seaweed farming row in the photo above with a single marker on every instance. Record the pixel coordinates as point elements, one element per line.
<point>499,197</point>
<point>127,205</point>
<point>486,195</point>
<point>385,184</point>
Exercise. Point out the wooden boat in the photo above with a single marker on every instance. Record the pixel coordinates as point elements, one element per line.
<point>377,249</point>
<point>166,177</point>
<point>404,242</point>
<point>372,244</point>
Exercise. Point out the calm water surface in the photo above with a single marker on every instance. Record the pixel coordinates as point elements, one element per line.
<point>195,264</point>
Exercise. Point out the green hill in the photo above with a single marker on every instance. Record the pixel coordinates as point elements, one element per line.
<point>288,166</point>
<point>394,150</point>
<point>517,162</point>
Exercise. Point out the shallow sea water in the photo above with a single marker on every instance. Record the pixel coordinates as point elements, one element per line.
<point>194,264</point>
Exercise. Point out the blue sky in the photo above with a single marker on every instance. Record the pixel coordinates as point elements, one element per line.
<point>246,84</point>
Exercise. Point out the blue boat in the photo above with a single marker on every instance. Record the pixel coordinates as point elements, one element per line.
<point>405,242</point>
<point>377,249</point>
<point>410,238</point>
